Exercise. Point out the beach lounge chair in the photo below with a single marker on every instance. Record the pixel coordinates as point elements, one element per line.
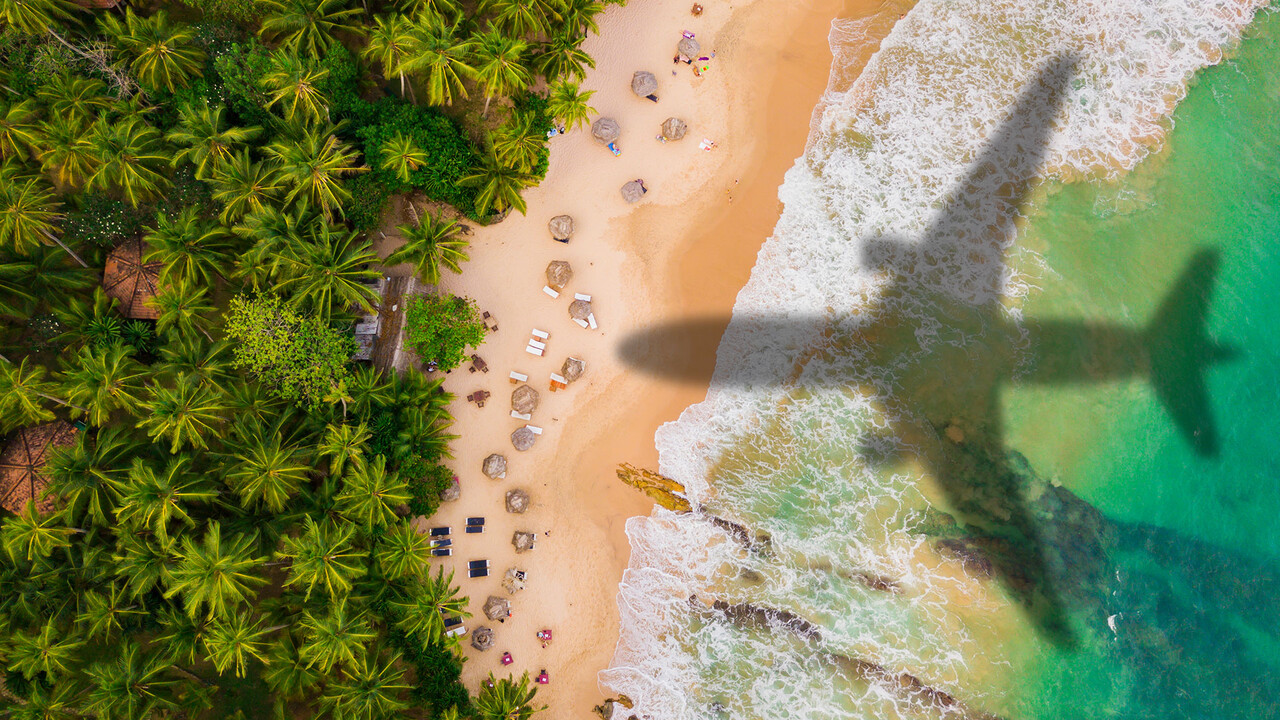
<point>539,345</point>
<point>541,334</point>
<point>534,429</point>
<point>442,552</point>
<point>473,529</point>
<point>441,531</point>
<point>475,521</point>
<point>452,622</point>
<point>582,323</point>
<point>478,572</point>
<point>441,542</point>
<point>581,296</point>
<point>517,378</point>
<point>456,632</point>
<point>547,289</point>
<point>591,320</point>
<point>521,416</point>
<point>533,350</point>
<point>558,382</point>
<point>473,564</point>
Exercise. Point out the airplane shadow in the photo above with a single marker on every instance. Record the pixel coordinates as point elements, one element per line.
<point>937,346</point>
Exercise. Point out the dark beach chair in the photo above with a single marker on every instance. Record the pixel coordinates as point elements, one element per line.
<point>478,572</point>
<point>475,529</point>
<point>444,542</point>
<point>442,552</point>
<point>441,531</point>
<point>452,622</point>
<point>475,521</point>
<point>473,564</point>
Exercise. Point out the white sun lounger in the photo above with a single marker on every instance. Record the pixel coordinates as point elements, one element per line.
<point>539,345</point>
<point>534,429</point>
<point>519,377</point>
<point>520,416</point>
<point>580,296</point>
<point>541,334</point>
<point>547,289</point>
<point>559,378</point>
<point>591,320</point>
<point>583,323</point>
<point>456,632</point>
<point>533,350</point>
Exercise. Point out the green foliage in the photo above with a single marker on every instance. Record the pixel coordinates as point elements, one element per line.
<point>440,328</point>
<point>245,11</point>
<point>105,221</point>
<point>241,69</point>
<point>369,195</point>
<point>298,357</point>
<point>426,479</point>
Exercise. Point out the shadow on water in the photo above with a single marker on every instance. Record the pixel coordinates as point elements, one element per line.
<point>944,395</point>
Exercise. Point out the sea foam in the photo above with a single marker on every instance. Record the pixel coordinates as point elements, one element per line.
<point>797,457</point>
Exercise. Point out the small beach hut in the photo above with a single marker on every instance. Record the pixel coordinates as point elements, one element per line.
<point>689,48</point>
<point>606,130</point>
<point>561,227</point>
<point>572,369</point>
<point>496,607</point>
<point>579,309</point>
<point>644,84</point>
<point>633,191</point>
<point>522,439</point>
<point>674,128</point>
<point>22,463</point>
<point>494,466</point>
<point>517,501</point>
<point>131,281</point>
<point>482,638</point>
<point>559,273</point>
<point>524,399</point>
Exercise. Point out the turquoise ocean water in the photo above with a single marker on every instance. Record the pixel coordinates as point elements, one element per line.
<point>1065,551</point>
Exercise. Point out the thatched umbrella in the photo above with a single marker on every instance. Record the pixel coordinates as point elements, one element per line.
<point>559,273</point>
<point>522,439</point>
<point>524,399</point>
<point>22,475</point>
<point>494,466</point>
<point>523,541</point>
<point>133,282</point>
<point>674,128</point>
<point>496,607</point>
<point>572,369</point>
<point>561,227</point>
<point>606,130</point>
<point>513,581</point>
<point>643,83</point>
<point>482,638</point>
<point>689,48</point>
<point>517,501</point>
<point>633,191</point>
<point>579,309</point>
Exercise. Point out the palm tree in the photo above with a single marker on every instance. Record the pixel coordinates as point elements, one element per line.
<point>192,249</point>
<point>103,612</point>
<point>579,16</point>
<point>500,65</point>
<point>29,534</point>
<point>134,684</point>
<point>287,673</point>
<point>442,59</point>
<point>164,56</point>
<point>299,81</point>
<point>56,278</point>
<point>50,651</point>
<point>127,153</point>
<point>232,641</point>
<point>498,186</point>
<point>104,380</point>
<point>277,235</point>
<point>67,153</point>
<point>519,143</point>
<point>244,186</point>
<point>22,389</point>
<point>86,475</point>
<point>402,552</point>
<point>311,165</point>
<point>343,443</point>
<point>516,18</point>
<point>35,17</point>
<point>185,413</point>
<point>506,699</point>
<point>368,689</point>
<point>16,298</point>
<point>264,472</point>
<point>369,389</point>
<point>423,612</point>
<point>28,211</point>
<point>307,27</point>
<point>330,272</point>
<point>183,308</point>
<point>189,354</point>
<point>432,243</point>
<point>370,494</point>
<point>569,104</point>
<point>439,8</point>
<point>390,43</point>
<point>335,637</point>
<point>74,95</point>
<point>204,140</point>
<point>216,573</point>
<point>562,58</point>
<point>323,556</point>
<point>18,130</point>
<point>144,561</point>
<point>401,156</point>
<point>151,501</point>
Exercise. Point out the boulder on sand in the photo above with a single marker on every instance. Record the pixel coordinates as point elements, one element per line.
<point>523,541</point>
<point>517,501</point>
<point>482,638</point>
<point>494,466</point>
<point>453,492</point>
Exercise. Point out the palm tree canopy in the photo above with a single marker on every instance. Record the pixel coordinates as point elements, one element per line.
<point>165,56</point>
<point>431,244</point>
<point>307,27</point>
<point>205,140</point>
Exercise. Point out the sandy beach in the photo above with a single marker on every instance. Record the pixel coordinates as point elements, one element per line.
<point>686,247</point>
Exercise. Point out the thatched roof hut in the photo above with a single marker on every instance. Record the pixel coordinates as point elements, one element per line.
<point>573,369</point>
<point>496,607</point>
<point>482,638</point>
<point>673,128</point>
<point>579,309</point>
<point>559,273</point>
<point>561,227</point>
<point>606,129</point>
<point>689,48</point>
<point>131,281</point>
<point>643,83</point>
<point>522,439</point>
<point>524,399</point>
<point>22,462</point>
<point>517,501</point>
<point>633,191</point>
<point>494,466</point>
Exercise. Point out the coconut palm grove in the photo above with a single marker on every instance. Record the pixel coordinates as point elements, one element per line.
<point>208,503</point>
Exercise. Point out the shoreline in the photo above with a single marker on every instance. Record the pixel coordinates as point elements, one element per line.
<point>638,277</point>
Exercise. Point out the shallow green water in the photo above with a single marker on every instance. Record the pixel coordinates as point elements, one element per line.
<point>1194,546</point>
